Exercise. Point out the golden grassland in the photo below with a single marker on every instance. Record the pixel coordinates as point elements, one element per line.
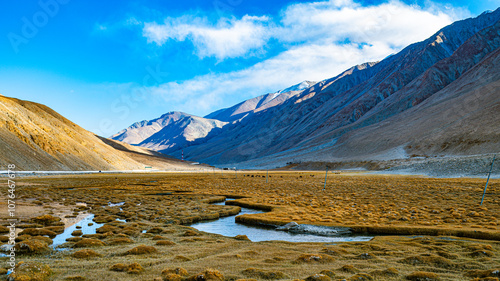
<point>447,235</point>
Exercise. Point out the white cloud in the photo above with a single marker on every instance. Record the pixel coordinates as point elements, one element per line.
<point>312,62</point>
<point>394,22</point>
<point>229,38</point>
<point>321,39</point>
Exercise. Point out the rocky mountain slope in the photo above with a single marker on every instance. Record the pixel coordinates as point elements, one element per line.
<point>35,137</point>
<point>251,106</point>
<point>182,133</point>
<point>176,130</point>
<point>327,114</point>
<point>140,131</point>
<point>436,97</point>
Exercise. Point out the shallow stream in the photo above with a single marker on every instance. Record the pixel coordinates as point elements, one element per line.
<point>227,226</point>
<point>85,228</point>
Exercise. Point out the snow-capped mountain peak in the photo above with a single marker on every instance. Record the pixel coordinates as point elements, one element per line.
<point>299,87</point>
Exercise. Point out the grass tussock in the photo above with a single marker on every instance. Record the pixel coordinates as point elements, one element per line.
<point>423,276</point>
<point>389,272</point>
<point>207,275</point>
<point>348,269</point>
<point>424,208</point>
<point>119,241</point>
<point>314,258</point>
<point>241,237</point>
<point>360,277</point>
<point>32,246</point>
<point>118,267</point>
<point>170,277</point>
<point>318,277</point>
<point>181,258</point>
<point>38,232</point>
<point>190,233</point>
<point>179,271</point>
<point>165,243</point>
<point>43,239</point>
<point>85,254</point>
<point>429,260</point>
<point>263,274</point>
<point>483,273</point>
<point>74,278</point>
<point>134,268</point>
<point>46,220</point>
<point>108,228</point>
<point>31,271</point>
<point>141,250</point>
<point>88,242</point>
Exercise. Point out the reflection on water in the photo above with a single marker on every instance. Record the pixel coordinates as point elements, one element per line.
<point>85,228</point>
<point>227,226</point>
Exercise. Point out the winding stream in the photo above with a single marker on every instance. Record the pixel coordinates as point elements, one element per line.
<point>227,226</point>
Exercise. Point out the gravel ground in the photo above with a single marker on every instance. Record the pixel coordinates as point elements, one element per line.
<point>451,166</point>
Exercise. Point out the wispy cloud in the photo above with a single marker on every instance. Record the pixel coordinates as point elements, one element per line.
<point>228,38</point>
<point>320,39</point>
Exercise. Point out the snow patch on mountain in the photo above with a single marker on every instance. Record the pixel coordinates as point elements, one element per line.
<point>299,87</point>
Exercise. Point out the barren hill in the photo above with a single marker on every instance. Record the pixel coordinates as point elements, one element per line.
<point>35,137</point>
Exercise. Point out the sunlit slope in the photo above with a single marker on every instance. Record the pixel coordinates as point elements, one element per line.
<point>35,137</point>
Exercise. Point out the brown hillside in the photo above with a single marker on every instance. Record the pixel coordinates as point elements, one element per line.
<point>35,137</point>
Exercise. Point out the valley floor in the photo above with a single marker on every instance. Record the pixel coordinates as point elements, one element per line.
<point>443,232</point>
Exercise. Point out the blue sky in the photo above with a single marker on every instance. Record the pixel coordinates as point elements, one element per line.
<point>107,64</point>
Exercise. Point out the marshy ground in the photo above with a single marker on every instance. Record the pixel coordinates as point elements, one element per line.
<point>446,235</point>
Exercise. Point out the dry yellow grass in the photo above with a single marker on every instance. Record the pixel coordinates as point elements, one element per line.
<point>159,204</point>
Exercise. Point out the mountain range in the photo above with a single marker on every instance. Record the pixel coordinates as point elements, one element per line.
<point>434,100</point>
<point>438,97</point>
<point>177,130</point>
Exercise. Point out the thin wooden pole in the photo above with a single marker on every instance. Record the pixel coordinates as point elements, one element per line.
<point>488,180</point>
<point>326,176</point>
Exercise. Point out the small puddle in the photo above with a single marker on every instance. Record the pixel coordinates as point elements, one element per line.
<point>85,228</point>
<point>115,204</point>
<point>228,226</point>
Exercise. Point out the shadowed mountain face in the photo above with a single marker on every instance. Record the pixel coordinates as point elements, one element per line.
<point>435,97</point>
<point>182,133</point>
<point>140,131</point>
<point>176,130</point>
<point>171,132</point>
